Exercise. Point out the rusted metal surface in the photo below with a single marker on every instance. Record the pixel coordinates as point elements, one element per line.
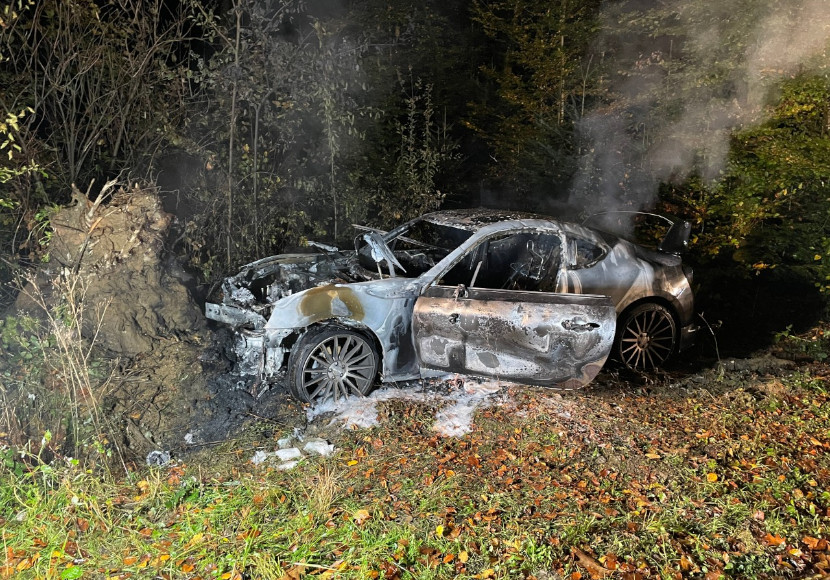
<point>523,311</point>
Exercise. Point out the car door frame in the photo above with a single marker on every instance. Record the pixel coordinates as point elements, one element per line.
<point>544,338</point>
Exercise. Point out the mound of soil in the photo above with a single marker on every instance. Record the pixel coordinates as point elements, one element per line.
<point>170,390</point>
<point>117,249</point>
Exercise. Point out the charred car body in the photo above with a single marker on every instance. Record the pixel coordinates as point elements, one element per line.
<point>515,296</point>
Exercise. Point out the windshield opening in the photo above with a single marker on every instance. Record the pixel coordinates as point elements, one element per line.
<point>417,247</point>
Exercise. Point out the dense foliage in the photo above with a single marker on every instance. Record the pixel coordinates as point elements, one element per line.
<point>281,120</point>
<point>774,206</point>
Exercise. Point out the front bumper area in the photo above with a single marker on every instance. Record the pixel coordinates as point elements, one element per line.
<point>261,353</point>
<point>233,315</point>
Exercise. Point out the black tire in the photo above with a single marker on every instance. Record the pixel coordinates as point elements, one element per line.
<point>646,337</point>
<point>332,362</point>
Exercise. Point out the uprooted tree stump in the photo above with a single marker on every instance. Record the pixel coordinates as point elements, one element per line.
<point>129,303</point>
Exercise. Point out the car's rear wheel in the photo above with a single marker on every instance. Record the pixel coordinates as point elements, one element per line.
<point>646,337</point>
<point>331,362</point>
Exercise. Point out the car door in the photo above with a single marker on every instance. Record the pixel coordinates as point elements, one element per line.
<point>512,328</point>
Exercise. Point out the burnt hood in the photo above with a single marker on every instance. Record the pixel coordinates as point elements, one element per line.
<point>258,285</point>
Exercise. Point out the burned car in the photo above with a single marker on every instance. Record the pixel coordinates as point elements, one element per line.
<point>519,297</point>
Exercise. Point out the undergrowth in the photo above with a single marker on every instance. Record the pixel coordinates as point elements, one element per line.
<point>730,486</point>
<point>52,379</point>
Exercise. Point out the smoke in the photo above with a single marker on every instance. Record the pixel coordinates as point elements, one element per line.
<point>683,76</point>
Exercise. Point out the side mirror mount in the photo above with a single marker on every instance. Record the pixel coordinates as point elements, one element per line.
<point>676,240</point>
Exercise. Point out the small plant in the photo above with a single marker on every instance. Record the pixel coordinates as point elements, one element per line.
<point>53,380</point>
<point>814,345</point>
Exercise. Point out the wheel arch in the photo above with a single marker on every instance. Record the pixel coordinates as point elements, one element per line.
<point>346,325</point>
<point>660,300</point>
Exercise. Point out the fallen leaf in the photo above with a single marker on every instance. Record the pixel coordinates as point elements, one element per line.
<point>463,557</point>
<point>195,540</point>
<point>595,569</point>
<point>815,544</point>
<point>360,516</point>
<point>774,540</point>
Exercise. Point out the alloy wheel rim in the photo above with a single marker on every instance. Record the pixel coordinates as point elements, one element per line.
<point>339,366</point>
<point>647,340</point>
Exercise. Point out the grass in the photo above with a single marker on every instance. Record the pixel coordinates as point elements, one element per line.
<point>714,483</point>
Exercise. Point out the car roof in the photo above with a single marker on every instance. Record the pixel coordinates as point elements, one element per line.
<point>474,219</point>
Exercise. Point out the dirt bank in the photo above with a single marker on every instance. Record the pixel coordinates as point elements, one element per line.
<point>169,387</point>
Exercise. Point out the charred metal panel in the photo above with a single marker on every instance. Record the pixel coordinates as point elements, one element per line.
<point>627,277</point>
<point>233,315</point>
<point>531,337</point>
<point>383,307</point>
<point>474,219</point>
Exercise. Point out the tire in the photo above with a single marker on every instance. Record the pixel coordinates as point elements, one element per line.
<point>646,337</point>
<point>331,362</point>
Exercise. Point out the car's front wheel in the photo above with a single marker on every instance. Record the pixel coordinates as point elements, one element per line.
<point>331,362</point>
<point>646,337</point>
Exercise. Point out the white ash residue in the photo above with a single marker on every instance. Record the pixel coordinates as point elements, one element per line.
<point>455,417</point>
<point>288,455</point>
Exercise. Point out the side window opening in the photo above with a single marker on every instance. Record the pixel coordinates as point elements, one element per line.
<point>585,253</point>
<point>523,261</point>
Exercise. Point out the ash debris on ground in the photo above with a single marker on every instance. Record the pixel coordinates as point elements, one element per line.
<point>455,400</point>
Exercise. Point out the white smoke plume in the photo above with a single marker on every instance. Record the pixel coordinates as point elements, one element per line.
<point>684,75</point>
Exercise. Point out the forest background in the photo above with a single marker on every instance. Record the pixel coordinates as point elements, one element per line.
<point>269,122</point>
<point>264,124</point>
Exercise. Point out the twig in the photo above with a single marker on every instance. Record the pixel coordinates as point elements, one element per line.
<point>712,332</point>
<point>317,566</point>
<point>267,419</point>
<point>206,443</point>
<point>595,569</point>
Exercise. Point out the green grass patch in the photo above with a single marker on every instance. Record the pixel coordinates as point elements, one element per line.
<point>656,485</point>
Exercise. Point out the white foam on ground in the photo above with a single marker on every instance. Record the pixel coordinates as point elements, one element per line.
<point>259,457</point>
<point>453,420</point>
<point>288,454</point>
<point>319,447</point>
<point>457,419</point>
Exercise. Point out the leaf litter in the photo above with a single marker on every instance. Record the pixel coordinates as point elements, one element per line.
<point>715,475</point>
